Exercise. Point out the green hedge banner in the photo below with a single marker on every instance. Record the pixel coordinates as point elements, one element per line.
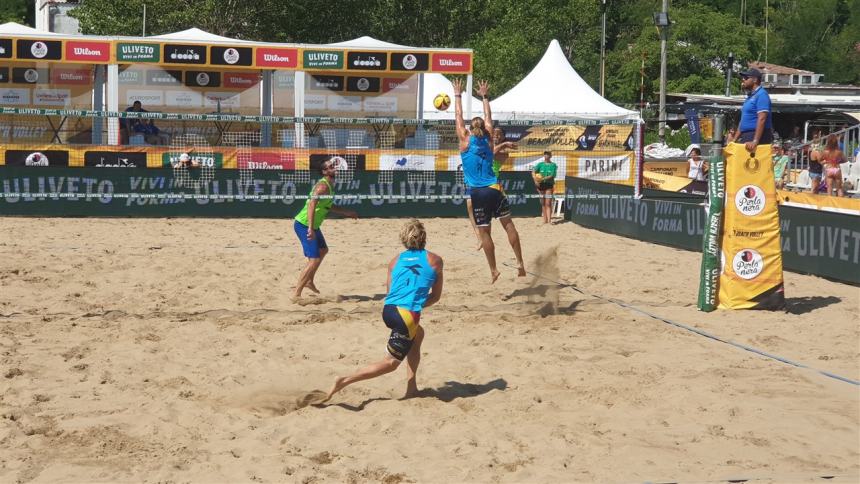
<point>816,242</point>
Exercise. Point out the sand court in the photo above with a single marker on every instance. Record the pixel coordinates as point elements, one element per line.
<point>170,350</point>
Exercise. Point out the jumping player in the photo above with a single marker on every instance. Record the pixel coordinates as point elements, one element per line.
<point>488,200</point>
<point>312,240</point>
<point>414,283</point>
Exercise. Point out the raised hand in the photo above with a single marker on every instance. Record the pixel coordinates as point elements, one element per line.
<point>458,86</point>
<point>483,88</point>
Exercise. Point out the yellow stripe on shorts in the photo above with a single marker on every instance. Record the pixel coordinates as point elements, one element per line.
<point>411,326</point>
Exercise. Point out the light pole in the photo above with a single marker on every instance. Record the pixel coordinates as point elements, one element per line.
<point>603,47</point>
<point>661,20</point>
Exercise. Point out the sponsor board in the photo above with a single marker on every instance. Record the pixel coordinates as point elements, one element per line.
<point>137,52</point>
<point>345,161</point>
<point>39,49</point>
<point>213,99</point>
<point>344,103</point>
<point>450,62</point>
<point>399,85</point>
<point>147,97</point>
<point>131,76</point>
<point>184,98</point>
<point>271,57</point>
<point>87,51</point>
<point>285,80</point>
<point>184,54</point>
<point>407,162</point>
<point>241,80</point>
<point>37,158</point>
<point>52,97</point>
<point>322,59</point>
<point>316,101</point>
<point>30,75</point>
<point>231,56</point>
<point>367,61</point>
<point>158,77</point>
<point>209,160</point>
<point>202,79</point>
<point>326,83</point>
<point>380,104</point>
<point>115,159</point>
<point>15,97</point>
<point>410,61</point>
<point>5,48</point>
<point>362,84</point>
<point>71,76</point>
<point>603,167</point>
<point>265,160</point>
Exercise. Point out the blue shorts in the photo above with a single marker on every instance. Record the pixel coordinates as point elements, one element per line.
<point>467,190</point>
<point>311,248</point>
<point>489,203</point>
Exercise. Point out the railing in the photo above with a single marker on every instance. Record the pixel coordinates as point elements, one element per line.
<point>849,141</point>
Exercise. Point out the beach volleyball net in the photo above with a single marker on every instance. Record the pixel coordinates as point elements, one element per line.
<point>290,151</point>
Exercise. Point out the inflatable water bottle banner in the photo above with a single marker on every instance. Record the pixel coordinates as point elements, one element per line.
<point>749,245</point>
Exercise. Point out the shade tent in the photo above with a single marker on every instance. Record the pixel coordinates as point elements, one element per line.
<point>553,90</point>
<point>370,42</point>
<point>435,84</point>
<point>197,35</point>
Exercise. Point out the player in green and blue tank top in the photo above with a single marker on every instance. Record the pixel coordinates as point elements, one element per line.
<point>308,221</point>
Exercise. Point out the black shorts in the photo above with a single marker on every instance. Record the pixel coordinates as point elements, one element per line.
<point>747,136</point>
<point>489,203</point>
<point>403,324</point>
<point>546,184</point>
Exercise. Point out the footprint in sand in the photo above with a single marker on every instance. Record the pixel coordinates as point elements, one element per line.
<point>271,404</point>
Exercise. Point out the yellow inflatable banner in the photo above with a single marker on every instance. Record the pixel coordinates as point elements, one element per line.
<point>751,251</point>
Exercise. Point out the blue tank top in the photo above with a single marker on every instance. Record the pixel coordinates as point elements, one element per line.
<point>478,163</point>
<point>411,280</point>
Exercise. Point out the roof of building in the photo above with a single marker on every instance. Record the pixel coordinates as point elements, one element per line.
<point>768,68</point>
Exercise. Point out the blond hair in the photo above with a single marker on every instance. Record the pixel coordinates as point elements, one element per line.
<point>477,126</point>
<point>413,235</point>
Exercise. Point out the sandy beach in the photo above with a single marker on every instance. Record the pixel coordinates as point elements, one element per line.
<point>169,350</point>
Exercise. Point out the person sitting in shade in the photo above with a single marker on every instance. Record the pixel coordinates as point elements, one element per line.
<point>150,132</point>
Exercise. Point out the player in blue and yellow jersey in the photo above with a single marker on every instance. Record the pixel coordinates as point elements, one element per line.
<point>311,238</point>
<point>488,199</point>
<point>414,283</point>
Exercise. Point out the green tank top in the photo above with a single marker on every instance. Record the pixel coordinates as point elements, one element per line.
<point>321,210</point>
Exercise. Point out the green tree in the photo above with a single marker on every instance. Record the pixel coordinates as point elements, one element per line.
<point>19,11</point>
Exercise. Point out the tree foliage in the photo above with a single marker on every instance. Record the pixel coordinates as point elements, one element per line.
<point>510,36</point>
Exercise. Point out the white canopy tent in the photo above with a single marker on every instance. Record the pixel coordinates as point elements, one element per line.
<point>553,90</point>
<point>197,35</point>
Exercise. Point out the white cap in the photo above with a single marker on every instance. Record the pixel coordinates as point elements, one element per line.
<point>690,149</point>
<point>184,157</point>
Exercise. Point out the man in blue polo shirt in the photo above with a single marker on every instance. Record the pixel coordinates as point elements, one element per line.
<point>756,126</point>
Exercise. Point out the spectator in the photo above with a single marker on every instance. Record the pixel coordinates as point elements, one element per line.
<point>150,132</point>
<point>186,161</point>
<point>815,169</point>
<point>780,166</point>
<point>698,167</point>
<point>129,124</point>
<point>832,157</point>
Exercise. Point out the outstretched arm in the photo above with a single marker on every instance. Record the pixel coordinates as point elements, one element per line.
<point>483,90</point>
<point>462,134</point>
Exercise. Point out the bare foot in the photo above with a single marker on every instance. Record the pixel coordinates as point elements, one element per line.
<point>521,271</point>
<point>312,287</point>
<point>480,245</point>
<point>494,275</point>
<point>411,392</point>
<point>338,386</point>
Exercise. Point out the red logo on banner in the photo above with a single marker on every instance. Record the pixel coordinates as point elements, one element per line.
<point>452,62</point>
<point>269,57</point>
<point>242,80</point>
<point>266,160</point>
<point>71,76</point>
<point>394,84</point>
<point>87,51</point>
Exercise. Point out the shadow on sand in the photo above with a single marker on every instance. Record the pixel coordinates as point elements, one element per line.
<point>803,305</point>
<point>448,392</point>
